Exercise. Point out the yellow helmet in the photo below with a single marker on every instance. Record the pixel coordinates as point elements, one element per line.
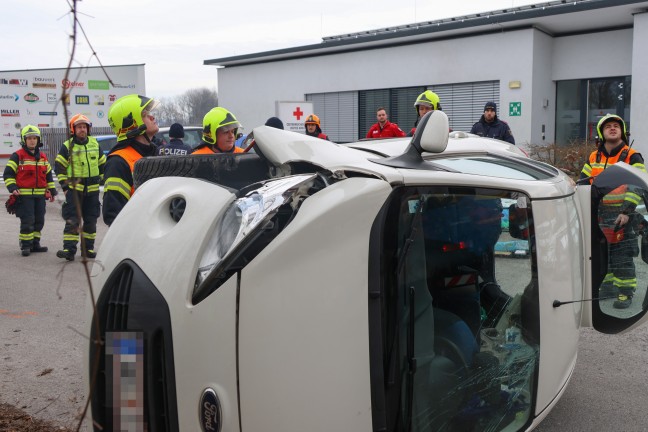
<point>215,119</point>
<point>608,118</point>
<point>312,119</point>
<point>429,99</point>
<point>31,130</point>
<point>125,115</point>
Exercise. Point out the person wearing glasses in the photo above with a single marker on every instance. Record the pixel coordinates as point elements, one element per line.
<point>219,133</point>
<point>131,118</point>
<point>490,126</point>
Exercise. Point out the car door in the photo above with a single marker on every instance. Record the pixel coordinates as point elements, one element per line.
<point>616,254</point>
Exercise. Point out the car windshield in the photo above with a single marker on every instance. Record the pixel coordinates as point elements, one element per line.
<point>193,136</point>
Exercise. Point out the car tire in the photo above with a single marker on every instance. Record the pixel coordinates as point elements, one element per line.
<point>234,171</point>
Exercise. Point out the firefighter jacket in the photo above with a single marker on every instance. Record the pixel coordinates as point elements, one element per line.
<point>29,172</point>
<point>80,165</point>
<point>207,149</point>
<point>390,130</point>
<point>119,184</point>
<point>318,133</point>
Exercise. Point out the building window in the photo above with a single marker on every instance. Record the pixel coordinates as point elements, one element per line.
<point>580,104</point>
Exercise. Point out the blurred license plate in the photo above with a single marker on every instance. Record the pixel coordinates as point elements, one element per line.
<point>125,380</point>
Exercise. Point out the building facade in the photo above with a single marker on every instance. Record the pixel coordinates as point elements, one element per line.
<point>553,68</point>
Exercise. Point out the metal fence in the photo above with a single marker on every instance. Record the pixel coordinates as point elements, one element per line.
<point>53,138</point>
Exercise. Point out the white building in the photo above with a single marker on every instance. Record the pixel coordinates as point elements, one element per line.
<point>553,69</point>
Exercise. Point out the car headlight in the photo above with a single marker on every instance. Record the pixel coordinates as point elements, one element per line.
<point>245,219</point>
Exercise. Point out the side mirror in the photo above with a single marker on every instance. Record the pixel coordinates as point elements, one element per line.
<point>432,133</point>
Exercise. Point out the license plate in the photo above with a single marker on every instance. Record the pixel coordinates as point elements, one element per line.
<point>125,380</point>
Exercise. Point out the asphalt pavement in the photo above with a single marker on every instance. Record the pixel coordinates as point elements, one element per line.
<point>43,329</point>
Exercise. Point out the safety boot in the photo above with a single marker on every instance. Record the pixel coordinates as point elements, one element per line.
<point>26,251</point>
<point>91,254</point>
<point>68,255</point>
<point>36,247</point>
<point>623,302</point>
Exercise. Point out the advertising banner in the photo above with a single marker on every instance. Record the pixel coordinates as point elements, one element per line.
<point>35,97</point>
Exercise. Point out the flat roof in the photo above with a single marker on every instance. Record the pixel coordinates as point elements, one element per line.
<point>556,18</point>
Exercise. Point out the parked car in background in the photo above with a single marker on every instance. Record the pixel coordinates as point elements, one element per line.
<point>193,136</point>
<point>106,142</point>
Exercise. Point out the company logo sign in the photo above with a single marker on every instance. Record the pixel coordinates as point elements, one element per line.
<point>82,100</point>
<point>100,114</point>
<point>72,84</point>
<point>31,97</point>
<point>51,98</point>
<point>98,85</point>
<point>99,99</point>
<point>210,411</point>
<point>47,113</point>
<point>43,125</point>
<point>39,82</point>
<point>15,97</point>
<point>112,98</point>
<point>13,81</point>
<point>124,86</point>
<point>9,113</point>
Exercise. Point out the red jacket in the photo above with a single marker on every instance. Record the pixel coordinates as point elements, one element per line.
<point>391,130</point>
<point>29,173</point>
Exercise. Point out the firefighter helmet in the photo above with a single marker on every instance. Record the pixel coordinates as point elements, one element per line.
<point>215,119</point>
<point>125,115</point>
<point>608,118</point>
<point>78,119</point>
<point>312,119</point>
<point>31,130</point>
<point>429,99</point>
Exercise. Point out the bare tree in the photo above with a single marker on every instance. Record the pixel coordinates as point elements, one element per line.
<point>169,112</point>
<point>195,103</point>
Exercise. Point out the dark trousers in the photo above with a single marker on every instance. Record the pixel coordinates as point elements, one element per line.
<point>90,210</point>
<point>31,211</point>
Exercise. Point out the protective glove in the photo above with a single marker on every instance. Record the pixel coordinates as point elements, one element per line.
<point>49,196</point>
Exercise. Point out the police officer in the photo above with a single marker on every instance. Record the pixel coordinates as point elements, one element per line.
<point>175,146</point>
<point>490,126</point>
<point>616,209</point>
<point>425,102</point>
<point>131,118</point>
<point>28,176</point>
<point>219,133</point>
<point>79,167</point>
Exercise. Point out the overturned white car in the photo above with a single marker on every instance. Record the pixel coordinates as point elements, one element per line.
<point>363,287</point>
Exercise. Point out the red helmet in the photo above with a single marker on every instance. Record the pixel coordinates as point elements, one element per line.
<point>78,119</point>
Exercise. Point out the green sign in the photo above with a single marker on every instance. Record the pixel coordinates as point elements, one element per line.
<point>515,109</point>
<point>98,85</point>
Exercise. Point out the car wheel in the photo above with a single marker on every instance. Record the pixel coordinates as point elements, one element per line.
<point>233,171</point>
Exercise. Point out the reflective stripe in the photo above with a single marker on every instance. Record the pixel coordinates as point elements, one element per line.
<point>90,236</point>
<point>70,237</point>
<point>38,191</point>
<point>118,185</point>
<point>26,237</point>
<point>13,165</point>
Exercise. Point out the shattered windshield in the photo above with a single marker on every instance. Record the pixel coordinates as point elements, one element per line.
<point>459,310</point>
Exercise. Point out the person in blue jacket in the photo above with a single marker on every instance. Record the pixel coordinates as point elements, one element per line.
<point>490,126</point>
<point>175,147</point>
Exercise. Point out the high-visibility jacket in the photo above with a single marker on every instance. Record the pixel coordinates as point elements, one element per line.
<point>130,155</point>
<point>31,174</point>
<point>208,149</point>
<point>85,165</point>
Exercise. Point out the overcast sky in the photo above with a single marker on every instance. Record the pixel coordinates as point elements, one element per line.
<point>173,38</point>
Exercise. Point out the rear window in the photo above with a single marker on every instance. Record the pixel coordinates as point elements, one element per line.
<point>492,166</point>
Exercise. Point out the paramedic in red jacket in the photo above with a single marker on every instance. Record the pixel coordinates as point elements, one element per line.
<point>384,128</point>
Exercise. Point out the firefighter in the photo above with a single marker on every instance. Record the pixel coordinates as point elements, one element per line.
<point>425,102</point>
<point>79,167</point>
<point>616,209</point>
<point>219,133</point>
<point>28,176</point>
<point>131,118</point>
<point>313,127</point>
